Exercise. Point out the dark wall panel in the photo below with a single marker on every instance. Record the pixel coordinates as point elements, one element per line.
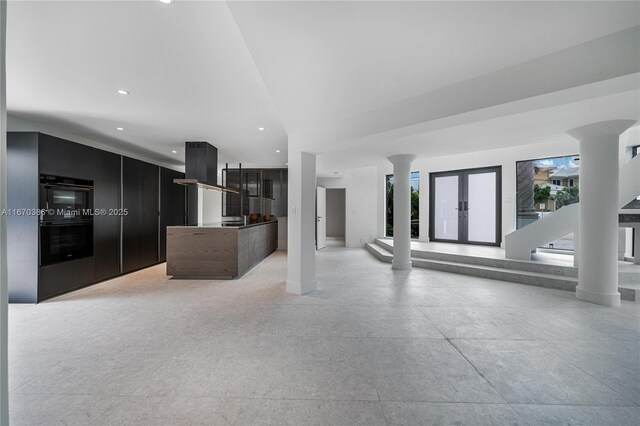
<point>106,228</point>
<point>22,230</point>
<point>172,205</point>
<point>140,224</point>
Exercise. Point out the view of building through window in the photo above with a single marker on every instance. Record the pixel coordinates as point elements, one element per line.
<point>544,186</point>
<point>415,203</point>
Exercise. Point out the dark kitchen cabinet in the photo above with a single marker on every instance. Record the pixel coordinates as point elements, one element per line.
<point>61,278</point>
<point>140,223</point>
<point>60,157</point>
<point>106,224</point>
<point>120,243</point>
<point>172,205</point>
<point>263,191</point>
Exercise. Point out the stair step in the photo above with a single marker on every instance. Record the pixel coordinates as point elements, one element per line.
<point>379,252</point>
<point>516,276</point>
<point>629,292</point>
<point>519,265</point>
<point>559,282</point>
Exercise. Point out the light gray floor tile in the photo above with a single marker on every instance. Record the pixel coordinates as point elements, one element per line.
<point>614,363</point>
<point>475,323</point>
<point>425,413</point>
<point>528,372</point>
<point>427,370</point>
<point>579,415</point>
<point>299,412</point>
<point>143,349</point>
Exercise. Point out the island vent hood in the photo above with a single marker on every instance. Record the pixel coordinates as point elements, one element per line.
<point>201,167</point>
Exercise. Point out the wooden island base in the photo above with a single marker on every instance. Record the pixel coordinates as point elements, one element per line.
<point>217,251</point>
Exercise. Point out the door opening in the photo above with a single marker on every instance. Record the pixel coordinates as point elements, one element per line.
<point>336,217</point>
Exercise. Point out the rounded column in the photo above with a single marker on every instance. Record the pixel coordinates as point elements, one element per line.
<point>401,210</point>
<point>599,205</point>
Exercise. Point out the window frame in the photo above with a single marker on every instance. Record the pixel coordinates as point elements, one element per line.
<point>386,179</point>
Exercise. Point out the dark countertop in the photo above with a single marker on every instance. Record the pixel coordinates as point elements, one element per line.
<point>230,224</point>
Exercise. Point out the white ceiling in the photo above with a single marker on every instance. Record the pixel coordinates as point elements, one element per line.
<point>533,126</point>
<point>185,64</point>
<point>324,61</point>
<point>216,71</point>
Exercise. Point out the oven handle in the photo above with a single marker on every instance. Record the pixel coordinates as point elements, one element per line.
<point>69,185</point>
<point>76,223</point>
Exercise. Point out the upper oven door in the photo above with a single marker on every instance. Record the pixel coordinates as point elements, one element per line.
<point>64,202</point>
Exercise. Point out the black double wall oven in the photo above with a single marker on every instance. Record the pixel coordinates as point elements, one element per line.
<point>66,219</point>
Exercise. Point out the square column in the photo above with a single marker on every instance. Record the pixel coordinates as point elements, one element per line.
<point>301,231</point>
<point>599,205</point>
<point>4,305</point>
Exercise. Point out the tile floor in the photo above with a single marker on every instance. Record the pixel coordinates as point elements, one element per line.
<point>370,347</point>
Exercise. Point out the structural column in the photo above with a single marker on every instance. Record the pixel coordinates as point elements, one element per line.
<point>4,306</point>
<point>301,249</point>
<point>401,210</point>
<point>599,205</point>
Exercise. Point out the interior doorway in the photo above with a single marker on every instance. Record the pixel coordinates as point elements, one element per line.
<point>321,218</point>
<point>336,217</point>
<point>465,206</point>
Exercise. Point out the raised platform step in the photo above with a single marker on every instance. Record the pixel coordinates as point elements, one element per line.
<point>529,273</point>
<point>518,265</point>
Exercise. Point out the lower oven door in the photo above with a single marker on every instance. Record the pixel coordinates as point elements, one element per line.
<point>62,242</point>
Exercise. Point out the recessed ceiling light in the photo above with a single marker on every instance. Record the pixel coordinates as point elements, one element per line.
<point>166,1</point>
<point>123,92</point>
<point>261,129</point>
<point>174,151</point>
<point>277,150</point>
<point>120,128</point>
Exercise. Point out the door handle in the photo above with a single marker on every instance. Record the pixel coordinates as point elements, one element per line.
<point>466,206</point>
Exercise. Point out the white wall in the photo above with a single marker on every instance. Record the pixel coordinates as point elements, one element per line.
<point>336,212</point>
<point>209,206</point>
<point>362,203</point>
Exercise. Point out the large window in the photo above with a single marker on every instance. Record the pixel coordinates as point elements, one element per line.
<point>544,186</point>
<point>415,203</point>
<point>634,204</point>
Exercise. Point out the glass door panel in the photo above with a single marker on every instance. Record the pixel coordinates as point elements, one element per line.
<point>465,206</point>
<point>446,207</point>
<point>481,207</point>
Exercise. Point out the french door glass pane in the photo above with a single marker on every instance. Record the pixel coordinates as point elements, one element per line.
<point>446,204</point>
<point>482,207</point>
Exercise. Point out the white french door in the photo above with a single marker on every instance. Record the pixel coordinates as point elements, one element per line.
<point>465,206</point>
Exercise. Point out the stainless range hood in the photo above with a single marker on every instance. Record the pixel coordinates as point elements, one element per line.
<point>201,167</point>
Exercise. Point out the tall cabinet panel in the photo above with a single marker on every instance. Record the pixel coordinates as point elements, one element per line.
<point>64,158</point>
<point>106,228</point>
<point>172,205</point>
<point>60,157</point>
<point>140,226</point>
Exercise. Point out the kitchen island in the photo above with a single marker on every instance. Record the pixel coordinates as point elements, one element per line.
<point>219,249</point>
